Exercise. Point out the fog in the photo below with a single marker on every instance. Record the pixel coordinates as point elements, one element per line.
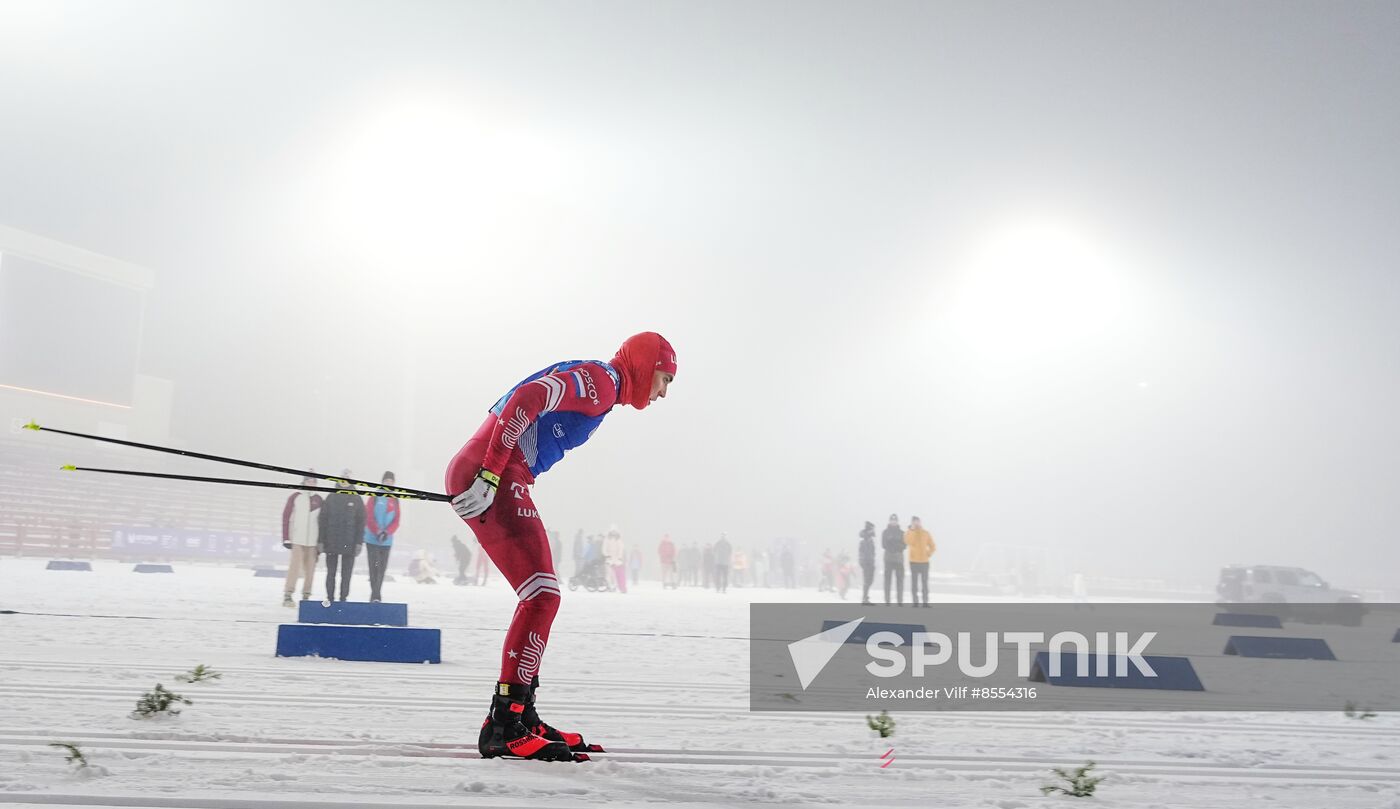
<point>1113,281</point>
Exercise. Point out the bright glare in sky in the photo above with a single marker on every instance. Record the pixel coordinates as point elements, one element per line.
<point>1034,287</point>
<point>420,176</point>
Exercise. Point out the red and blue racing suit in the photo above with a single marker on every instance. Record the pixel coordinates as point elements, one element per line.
<point>528,431</point>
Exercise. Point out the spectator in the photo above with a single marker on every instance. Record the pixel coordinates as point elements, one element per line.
<point>666,554</point>
<point>760,568</point>
<point>920,549</point>
<point>722,556</point>
<point>843,574</point>
<point>463,555</point>
<point>789,565</point>
<point>614,552</point>
<point>866,554</point>
<point>578,551</point>
<point>300,530</point>
<point>421,569</point>
<point>690,567</point>
<point>741,567</point>
<point>342,527</point>
<point>707,564</point>
<point>634,564</point>
<point>893,542</point>
<point>828,579</point>
<point>556,547</point>
<point>381,523</point>
<point>483,564</point>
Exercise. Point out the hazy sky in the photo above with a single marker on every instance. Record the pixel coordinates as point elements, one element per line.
<point>1116,281</point>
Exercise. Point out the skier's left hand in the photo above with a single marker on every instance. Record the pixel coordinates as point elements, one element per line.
<point>478,497</point>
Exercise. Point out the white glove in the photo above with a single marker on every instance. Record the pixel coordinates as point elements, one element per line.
<point>475,500</point>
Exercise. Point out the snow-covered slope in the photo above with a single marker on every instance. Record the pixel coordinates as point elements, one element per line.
<point>659,677</point>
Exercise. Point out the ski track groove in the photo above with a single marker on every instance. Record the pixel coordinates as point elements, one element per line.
<point>208,695</point>
<point>962,764</point>
<point>451,674</point>
<point>167,802</point>
<point>364,671</point>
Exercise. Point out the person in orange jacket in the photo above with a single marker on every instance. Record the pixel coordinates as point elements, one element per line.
<point>921,547</point>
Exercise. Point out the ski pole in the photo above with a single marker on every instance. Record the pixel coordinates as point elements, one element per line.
<point>266,467</point>
<point>401,495</point>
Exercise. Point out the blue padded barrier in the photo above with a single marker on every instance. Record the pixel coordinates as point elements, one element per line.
<point>383,644</point>
<point>1280,648</point>
<point>868,628</point>
<point>359,613</point>
<point>68,564</point>
<point>1172,673</point>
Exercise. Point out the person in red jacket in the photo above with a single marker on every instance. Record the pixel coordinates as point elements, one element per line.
<point>381,524</point>
<point>527,431</point>
<point>667,552</point>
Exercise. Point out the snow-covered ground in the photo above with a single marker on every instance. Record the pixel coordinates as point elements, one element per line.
<point>659,677</point>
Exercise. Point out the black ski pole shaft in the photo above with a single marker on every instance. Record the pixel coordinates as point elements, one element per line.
<point>401,495</point>
<point>251,464</point>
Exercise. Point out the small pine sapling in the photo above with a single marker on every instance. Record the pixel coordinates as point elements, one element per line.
<point>157,702</point>
<point>882,724</point>
<point>199,674</point>
<point>1081,784</point>
<point>75,756</point>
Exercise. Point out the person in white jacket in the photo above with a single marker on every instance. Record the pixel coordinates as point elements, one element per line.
<point>616,554</point>
<point>300,533</point>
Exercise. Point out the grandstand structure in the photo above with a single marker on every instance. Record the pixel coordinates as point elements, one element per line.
<point>70,336</point>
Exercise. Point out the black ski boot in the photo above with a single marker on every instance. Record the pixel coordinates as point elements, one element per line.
<point>504,732</point>
<point>532,721</point>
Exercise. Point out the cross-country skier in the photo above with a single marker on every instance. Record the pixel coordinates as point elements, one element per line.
<point>527,431</point>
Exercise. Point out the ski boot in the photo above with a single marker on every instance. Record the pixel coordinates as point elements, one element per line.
<point>504,733</point>
<point>533,722</point>
<point>287,600</point>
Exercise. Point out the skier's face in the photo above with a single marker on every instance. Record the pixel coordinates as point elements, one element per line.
<point>659,381</point>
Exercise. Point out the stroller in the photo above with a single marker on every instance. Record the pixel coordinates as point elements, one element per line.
<point>593,577</point>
